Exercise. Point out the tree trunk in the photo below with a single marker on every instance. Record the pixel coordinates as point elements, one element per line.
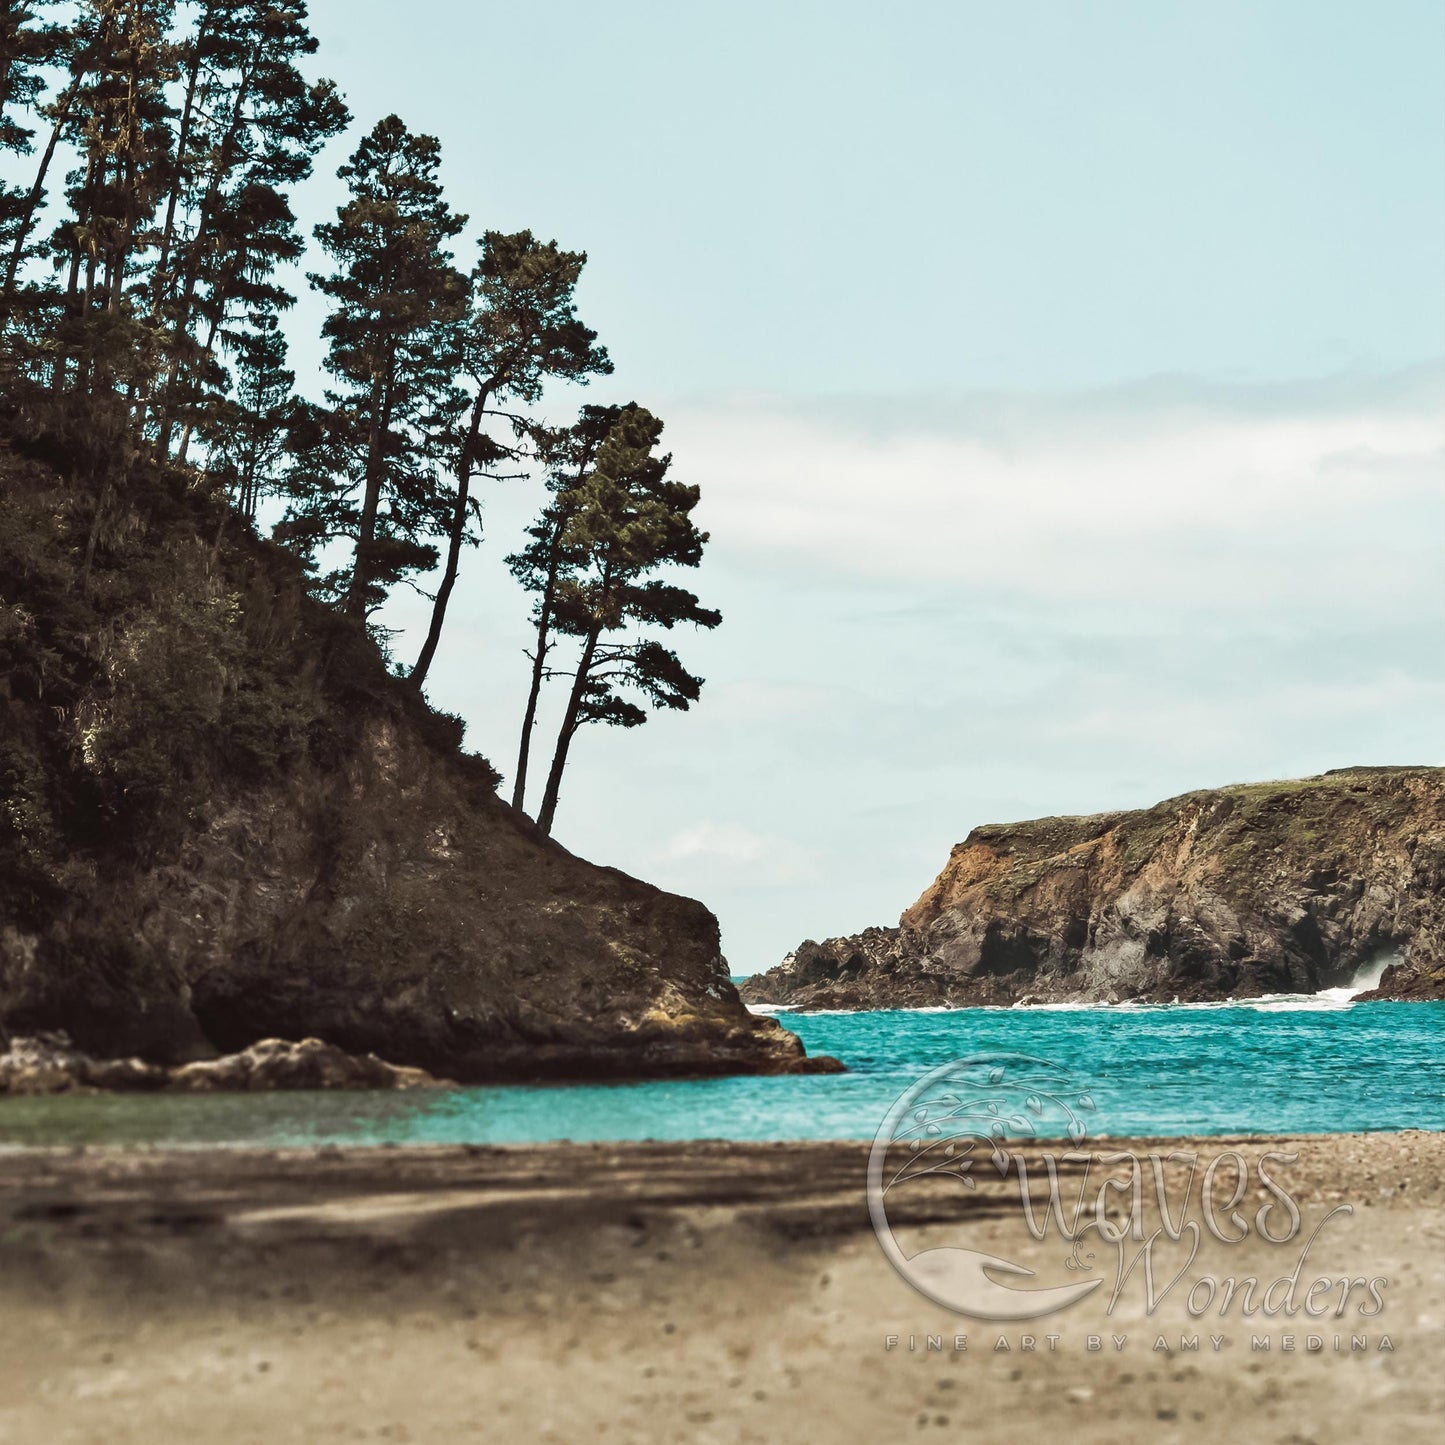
<point>529,718</point>
<point>72,307</point>
<point>366,527</point>
<point>225,159</point>
<point>544,630</point>
<point>455,539</point>
<point>32,201</point>
<point>183,140</point>
<point>159,280</point>
<point>187,431</point>
<point>539,662</point>
<point>566,732</point>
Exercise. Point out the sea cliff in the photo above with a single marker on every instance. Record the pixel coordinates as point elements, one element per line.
<point>1286,887</point>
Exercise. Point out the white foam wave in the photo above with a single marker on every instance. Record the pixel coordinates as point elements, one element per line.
<point>1326,999</point>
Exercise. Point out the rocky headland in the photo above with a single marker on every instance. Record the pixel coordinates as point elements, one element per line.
<point>223,820</point>
<point>1287,887</point>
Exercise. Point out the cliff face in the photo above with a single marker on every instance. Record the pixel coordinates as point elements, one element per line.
<point>1232,892</point>
<point>222,820</point>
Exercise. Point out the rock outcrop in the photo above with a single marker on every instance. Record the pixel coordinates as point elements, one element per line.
<point>50,1064</point>
<point>222,820</point>
<point>1289,887</point>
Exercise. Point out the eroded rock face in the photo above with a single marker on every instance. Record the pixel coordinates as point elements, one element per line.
<point>1288,887</point>
<point>391,905</point>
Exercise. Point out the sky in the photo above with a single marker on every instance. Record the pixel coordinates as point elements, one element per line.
<point>1065,381</point>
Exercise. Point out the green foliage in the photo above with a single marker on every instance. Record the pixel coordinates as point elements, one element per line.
<point>542,563</point>
<point>27,48</point>
<point>592,560</point>
<point>248,127</point>
<point>520,331</point>
<point>185,129</point>
<point>187,668</point>
<point>186,693</point>
<point>150,644</point>
<point>30,843</point>
<point>253,426</point>
<point>368,470</point>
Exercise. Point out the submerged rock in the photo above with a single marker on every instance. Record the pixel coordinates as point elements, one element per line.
<point>1290,887</point>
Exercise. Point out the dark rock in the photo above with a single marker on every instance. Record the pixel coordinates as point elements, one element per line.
<point>49,1064</point>
<point>1232,892</point>
<point>223,820</point>
<point>1407,984</point>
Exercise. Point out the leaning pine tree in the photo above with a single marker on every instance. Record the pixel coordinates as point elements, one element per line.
<point>547,561</point>
<point>521,331</point>
<point>625,520</point>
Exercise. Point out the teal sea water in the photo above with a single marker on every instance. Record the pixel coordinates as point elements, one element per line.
<point>1286,1065</point>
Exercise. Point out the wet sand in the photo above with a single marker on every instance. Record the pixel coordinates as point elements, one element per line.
<point>669,1292</point>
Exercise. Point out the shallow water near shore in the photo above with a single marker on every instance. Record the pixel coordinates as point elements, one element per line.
<point>1290,1065</point>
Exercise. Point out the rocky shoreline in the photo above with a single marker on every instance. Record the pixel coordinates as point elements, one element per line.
<point>1289,887</point>
<point>50,1064</point>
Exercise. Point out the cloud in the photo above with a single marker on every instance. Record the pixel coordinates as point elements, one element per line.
<point>733,854</point>
<point>1246,503</point>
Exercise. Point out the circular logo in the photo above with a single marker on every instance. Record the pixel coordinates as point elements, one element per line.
<point>952,1122</point>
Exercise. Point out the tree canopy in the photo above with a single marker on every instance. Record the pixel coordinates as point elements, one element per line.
<point>593,561</point>
<point>152,152</point>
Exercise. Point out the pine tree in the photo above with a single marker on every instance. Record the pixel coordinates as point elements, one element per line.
<point>31,308</point>
<point>368,467</point>
<point>626,519</point>
<point>254,425</point>
<point>521,331</point>
<point>29,48</point>
<point>544,562</point>
<point>248,129</point>
<point>119,124</point>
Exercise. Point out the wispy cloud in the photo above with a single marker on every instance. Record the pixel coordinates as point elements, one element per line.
<point>731,854</point>
<point>1250,503</point>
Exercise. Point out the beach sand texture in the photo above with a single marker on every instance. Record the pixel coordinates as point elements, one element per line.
<point>662,1292</point>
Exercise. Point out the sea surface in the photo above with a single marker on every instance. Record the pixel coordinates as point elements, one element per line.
<point>1294,1064</point>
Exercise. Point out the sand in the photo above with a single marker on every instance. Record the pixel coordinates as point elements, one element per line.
<point>668,1292</point>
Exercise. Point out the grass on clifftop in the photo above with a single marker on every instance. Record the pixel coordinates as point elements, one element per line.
<point>1302,813</point>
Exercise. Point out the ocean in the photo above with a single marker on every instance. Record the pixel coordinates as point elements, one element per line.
<point>1306,1065</point>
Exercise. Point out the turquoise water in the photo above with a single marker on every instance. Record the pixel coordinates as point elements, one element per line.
<point>1289,1065</point>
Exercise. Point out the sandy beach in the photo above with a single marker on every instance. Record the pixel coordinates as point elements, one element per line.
<point>663,1292</point>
